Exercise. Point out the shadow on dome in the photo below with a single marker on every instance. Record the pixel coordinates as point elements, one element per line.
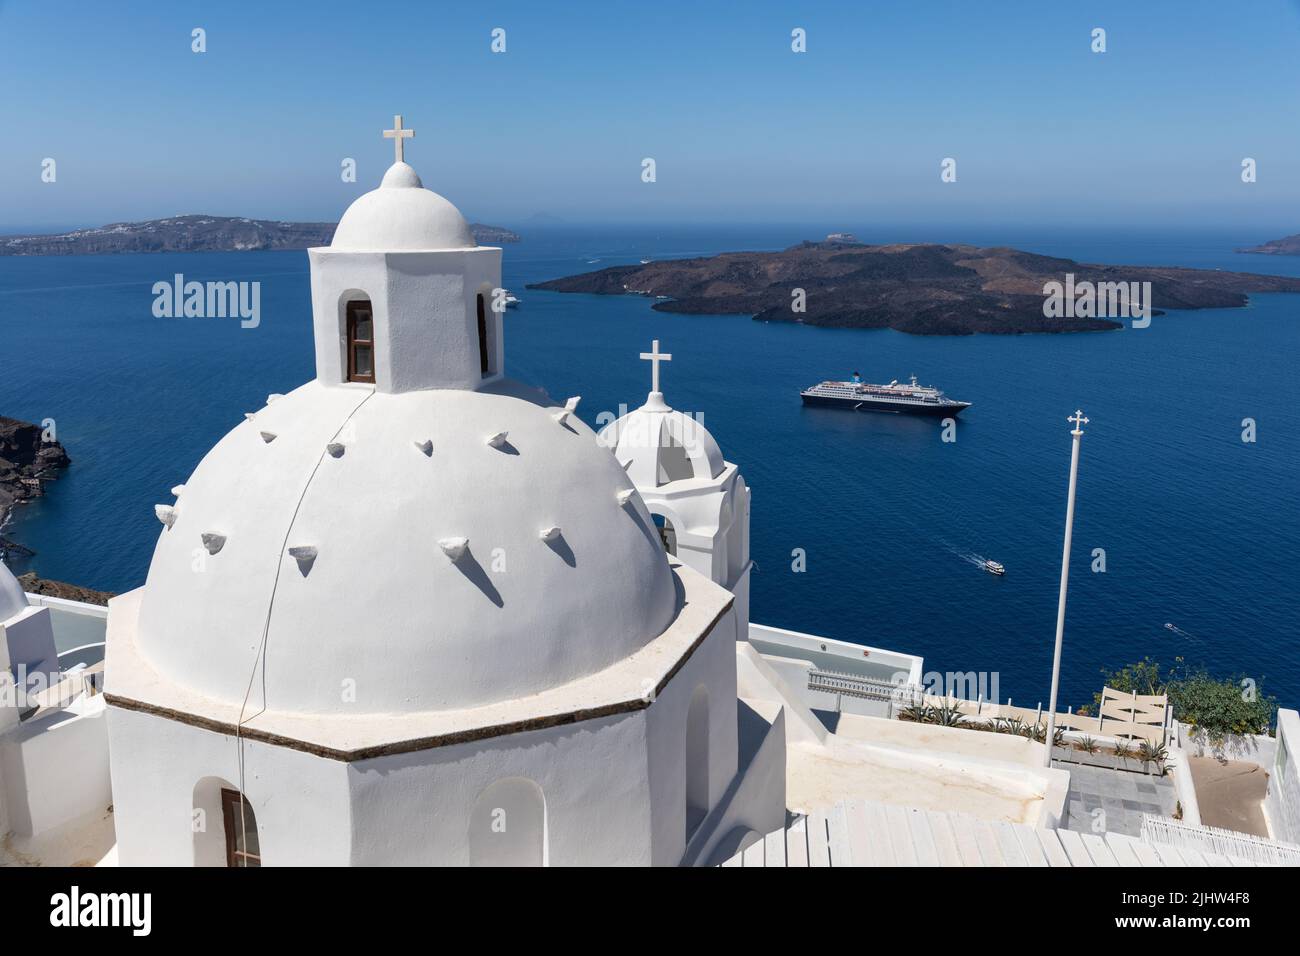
<point>468,565</point>
<point>561,548</point>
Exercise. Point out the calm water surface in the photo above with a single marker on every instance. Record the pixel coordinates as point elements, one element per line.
<point>1199,529</point>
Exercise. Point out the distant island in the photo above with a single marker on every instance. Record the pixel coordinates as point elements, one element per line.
<point>1288,246</point>
<point>196,234</point>
<point>923,289</point>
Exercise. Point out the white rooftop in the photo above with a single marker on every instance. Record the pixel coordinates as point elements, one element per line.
<point>435,577</point>
<point>402,216</point>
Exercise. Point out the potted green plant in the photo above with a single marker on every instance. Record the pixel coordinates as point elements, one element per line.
<point>917,713</point>
<point>947,714</point>
<point>1124,752</point>
<point>1150,754</point>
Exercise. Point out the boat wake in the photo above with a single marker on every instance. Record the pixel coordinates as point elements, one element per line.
<point>970,557</point>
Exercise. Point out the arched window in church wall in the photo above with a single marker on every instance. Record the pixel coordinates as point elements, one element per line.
<point>224,826</point>
<point>243,848</point>
<point>697,759</point>
<point>507,826</point>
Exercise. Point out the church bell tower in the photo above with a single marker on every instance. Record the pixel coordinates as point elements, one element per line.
<point>403,298</point>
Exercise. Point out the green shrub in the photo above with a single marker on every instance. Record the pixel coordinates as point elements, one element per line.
<point>1144,677</point>
<point>1221,707</point>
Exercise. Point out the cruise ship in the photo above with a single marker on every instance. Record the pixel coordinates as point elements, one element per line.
<point>910,399</point>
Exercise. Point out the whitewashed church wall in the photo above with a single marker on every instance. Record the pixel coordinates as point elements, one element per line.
<point>300,801</point>
<point>432,326</point>
<point>758,803</point>
<point>713,665</point>
<point>415,809</point>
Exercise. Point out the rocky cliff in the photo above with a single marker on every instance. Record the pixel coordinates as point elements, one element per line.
<point>26,462</point>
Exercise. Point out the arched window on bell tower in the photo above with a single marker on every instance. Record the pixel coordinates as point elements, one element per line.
<point>484,363</point>
<point>361,341</point>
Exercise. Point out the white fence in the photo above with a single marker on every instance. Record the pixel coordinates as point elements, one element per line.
<point>1242,846</point>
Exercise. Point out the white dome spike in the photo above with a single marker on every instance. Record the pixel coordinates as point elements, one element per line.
<point>273,397</point>
<point>549,534</point>
<point>177,491</point>
<point>166,514</point>
<point>213,542</point>
<point>335,449</point>
<point>454,548</point>
<point>425,446</point>
<point>625,496</point>
<point>570,406</point>
<point>497,440</point>
<point>305,555</point>
<point>249,416</point>
<point>268,437</point>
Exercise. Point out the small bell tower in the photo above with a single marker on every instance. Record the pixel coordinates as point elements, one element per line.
<point>699,501</point>
<point>403,298</point>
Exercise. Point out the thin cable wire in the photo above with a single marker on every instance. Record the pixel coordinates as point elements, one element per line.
<point>266,630</point>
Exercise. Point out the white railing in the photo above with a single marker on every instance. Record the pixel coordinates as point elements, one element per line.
<point>1243,846</point>
<point>863,688</point>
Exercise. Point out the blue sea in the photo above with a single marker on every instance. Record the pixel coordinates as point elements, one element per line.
<point>1199,528</point>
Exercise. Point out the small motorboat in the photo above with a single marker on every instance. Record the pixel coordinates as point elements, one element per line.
<point>993,567</point>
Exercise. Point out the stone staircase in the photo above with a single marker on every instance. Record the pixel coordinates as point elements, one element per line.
<point>862,833</point>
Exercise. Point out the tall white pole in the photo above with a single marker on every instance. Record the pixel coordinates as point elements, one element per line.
<point>1079,422</point>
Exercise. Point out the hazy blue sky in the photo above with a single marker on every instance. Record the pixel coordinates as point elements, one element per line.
<point>742,129</point>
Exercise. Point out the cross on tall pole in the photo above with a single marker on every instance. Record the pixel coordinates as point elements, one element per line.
<point>1079,421</point>
<point>397,134</point>
<point>654,357</point>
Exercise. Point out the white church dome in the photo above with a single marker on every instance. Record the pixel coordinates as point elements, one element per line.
<point>657,444</point>
<point>12,599</point>
<point>335,546</point>
<point>401,216</point>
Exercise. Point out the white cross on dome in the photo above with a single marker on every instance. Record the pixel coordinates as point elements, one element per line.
<point>654,357</point>
<point>397,135</point>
